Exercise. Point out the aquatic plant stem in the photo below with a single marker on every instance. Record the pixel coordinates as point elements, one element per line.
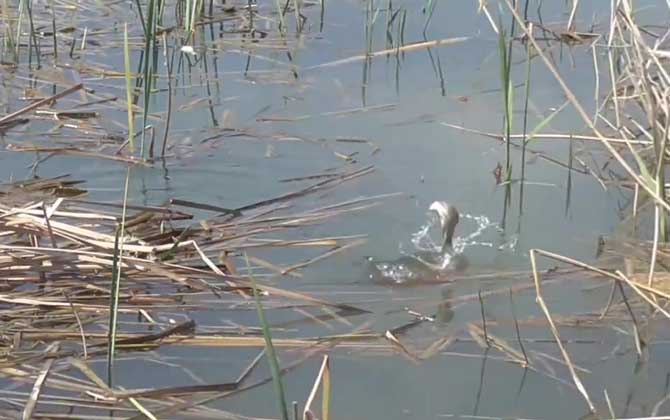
<point>129,90</point>
<point>269,347</point>
<point>524,140</point>
<point>552,326</point>
<point>168,118</point>
<point>116,285</point>
<point>149,41</point>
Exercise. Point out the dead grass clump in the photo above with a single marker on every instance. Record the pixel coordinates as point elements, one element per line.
<point>56,266</point>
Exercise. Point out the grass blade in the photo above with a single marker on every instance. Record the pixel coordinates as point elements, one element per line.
<point>269,348</point>
<point>116,286</point>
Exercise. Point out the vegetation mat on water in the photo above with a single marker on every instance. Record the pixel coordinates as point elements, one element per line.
<point>56,265</point>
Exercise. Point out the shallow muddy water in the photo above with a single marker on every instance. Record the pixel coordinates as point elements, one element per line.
<point>246,121</point>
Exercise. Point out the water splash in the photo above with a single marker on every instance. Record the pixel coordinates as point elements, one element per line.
<point>424,240</point>
<point>397,273</point>
<point>425,247</point>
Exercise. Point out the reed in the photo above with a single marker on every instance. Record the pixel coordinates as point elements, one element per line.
<point>129,89</point>
<point>8,41</point>
<point>168,119</point>
<point>524,140</point>
<point>34,48</point>
<point>322,14</point>
<point>508,95</point>
<point>193,10</point>
<point>280,11</point>
<point>147,65</point>
<point>115,288</point>
<point>19,22</point>
<point>428,10</point>
<point>54,32</point>
<point>297,10</point>
<point>271,355</point>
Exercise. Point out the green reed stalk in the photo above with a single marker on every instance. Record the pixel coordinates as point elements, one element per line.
<point>389,23</point>
<point>8,40</point>
<point>506,81</point>
<point>129,89</point>
<point>298,20</point>
<point>161,12</point>
<point>403,23</point>
<point>149,43</point>
<point>168,117</point>
<point>115,287</point>
<point>53,30</point>
<point>141,15</point>
<point>33,36</point>
<point>280,14</point>
<point>370,17</point>
<point>187,15</point>
<point>660,173</point>
<point>428,10</point>
<point>269,349</point>
<point>192,12</point>
<point>322,14</point>
<point>524,140</point>
<point>19,20</point>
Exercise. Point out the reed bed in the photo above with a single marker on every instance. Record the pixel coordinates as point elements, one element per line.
<point>64,257</point>
<point>57,258</point>
<point>630,125</point>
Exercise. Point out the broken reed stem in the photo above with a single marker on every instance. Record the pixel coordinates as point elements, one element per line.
<point>610,300</point>
<point>636,329</point>
<point>79,324</point>
<point>516,326</point>
<point>320,381</point>
<point>41,102</point>
<point>481,307</point>
<point>605,273</point>
<point>557,337</point>
<point>644,296</point>
<point>41,379</point>
<point>48,223</point>
<point>392,51</point>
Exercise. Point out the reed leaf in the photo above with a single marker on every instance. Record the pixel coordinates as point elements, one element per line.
<point>116,286</point>
<point>545,121</point>
<point>506,82</point>
<point>269,348</point>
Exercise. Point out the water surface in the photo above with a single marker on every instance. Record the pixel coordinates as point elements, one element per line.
<point>291,114</point>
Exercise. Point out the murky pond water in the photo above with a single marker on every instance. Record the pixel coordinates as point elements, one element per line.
<point>247,120</point>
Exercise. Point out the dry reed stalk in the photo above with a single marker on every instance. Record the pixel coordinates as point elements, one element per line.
<point>322,380</point>
<point>392,51</point>
<point>585,117</point>
<point>540,300</point>
<point>67,247</point>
